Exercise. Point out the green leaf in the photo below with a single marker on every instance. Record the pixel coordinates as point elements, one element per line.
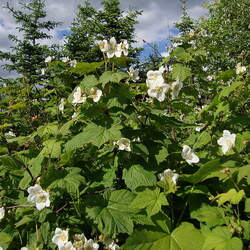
<point>228,90</point>
<point>122,61</point>
<point>106,77</point>
<point>204,172</point>
<point>65,129</point>
<point>89,82</point>
<point>48,129</point>
<point>211,216</point>
<point>226,75</point>
<point>137,176</point>
<point>246,229</point>
<point>94,134</point>
<point>244,171</point>
<point>242,141</point>
<point>162,155</point>
<point>203,139</point>
<point>119,96</point>
<point>24,183</point>
<point>118,76</point>
<point>182,55</point>
<point>4,237</point>
<point>152,200</point>
<point>231,196</point>
<point>45,231</point>
<point>181,72</point>
<point>52,148</point>
<point>169,121</point>
<point>26,219</point>
<point>110,76</point>
<point>115,217</point>
<point>83,68</point>
<point>141,149</point>
<point>247,205</point>
<point>184,237</point>
<point>36,164</point>
<point>18,106</point>
<point>10,163</point>
<point>70,181</point>
<point>220,239</point>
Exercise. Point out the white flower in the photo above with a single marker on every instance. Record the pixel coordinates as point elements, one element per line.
<point>240,69</point>
<point>1,248</point>
<point>210,78</point>
<point>156,85</point>
<point>95,94</point>
<point>38,196</point>
<point>162,69</point>
<point>33,192</point>
<point>10,134</point>
<point>65,59</point>
<point>122,48</point>
<point>42,200</point>
<point>169,174</point>
<point>154,76</point>
<point>227,141</point>
<point>73,63</point>
<point>43,71</point>
<point>137,139</point>
<point>176,87</point>
<point>2,213</point>
<point>201,126</point>
<point>48,59</point>
<point>74,115</point>
<point>24,248</point>
<point>61,105</point>
<point>90,245</point>
<point>188,155</point>
<point>77,97</point>
<point>112,47</point>
<point>113,246</point>
<point>103,45</point>
<point>205,69</point>
<point>123,144</point>
<point>158,90</point>
<point>61,237</point>
<point>133,74</point>
<point>67,246</point>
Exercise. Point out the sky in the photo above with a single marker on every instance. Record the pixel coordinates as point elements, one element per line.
<point>156,24</point>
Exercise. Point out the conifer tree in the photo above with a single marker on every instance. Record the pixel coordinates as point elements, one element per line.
<point>27,54</point>
<point>186,24</point>
<point>91,25</point>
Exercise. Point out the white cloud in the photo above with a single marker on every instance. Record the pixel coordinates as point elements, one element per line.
<point>155,23</point>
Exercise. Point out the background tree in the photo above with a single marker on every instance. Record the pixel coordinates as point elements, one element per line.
<point>186,23</point>
<point>224,34</point>
<point>27,55</point>
<point>91,25</point>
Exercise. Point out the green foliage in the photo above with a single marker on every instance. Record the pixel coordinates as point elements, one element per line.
<point>91,25</point>
<point>136,176</point>
<point>152,200</point>
<point>221,238</point>
<point>183,237</point>
<point>181,72</point>
<point>28,53</point>
<point>112,162</point>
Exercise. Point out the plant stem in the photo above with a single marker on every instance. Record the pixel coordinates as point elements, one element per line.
<point>181,215</point>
